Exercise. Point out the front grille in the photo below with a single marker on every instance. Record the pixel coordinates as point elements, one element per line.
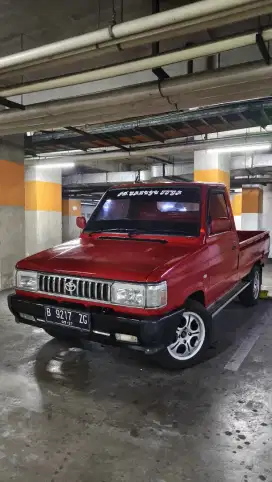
<point>82,288</point>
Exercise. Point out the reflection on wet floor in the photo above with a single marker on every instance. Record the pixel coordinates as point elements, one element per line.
<point>112,415</point>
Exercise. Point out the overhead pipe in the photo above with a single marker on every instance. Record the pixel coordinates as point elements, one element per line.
<point>197,90</point>
<point>138,65</point>
<point>104,116</point>
<point>177,148</point>
<point>142,92</point>
<point>118,114</point>
<point>195,98</point>
<point>125,29</point>
<point>83,103</point>
<point>218,19</point>
<point>201,23</point>
<point>198,24</point>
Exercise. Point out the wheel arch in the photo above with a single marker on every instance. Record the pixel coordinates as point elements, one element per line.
<point>197,296</point>
<point>259,264</point>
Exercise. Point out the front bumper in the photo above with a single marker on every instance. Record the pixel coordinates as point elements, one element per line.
<point>153,333</point>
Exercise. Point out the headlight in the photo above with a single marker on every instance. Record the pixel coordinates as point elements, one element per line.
<point>139,295</point>
<point>27,280</point>
<point>128,294</point>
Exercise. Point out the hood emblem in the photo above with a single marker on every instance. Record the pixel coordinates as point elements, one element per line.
<point>70,286</point>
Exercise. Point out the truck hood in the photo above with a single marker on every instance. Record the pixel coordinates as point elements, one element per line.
<point>116,259</point>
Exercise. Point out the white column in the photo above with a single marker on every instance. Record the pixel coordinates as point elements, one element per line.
<point>236,203</point>
<point>267,212</point>
<point>43,209</point>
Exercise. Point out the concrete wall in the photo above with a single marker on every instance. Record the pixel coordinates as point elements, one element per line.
<point>12,242</point>
<point>43,230</point>
<point>69,228</point>
<point>71,208</point>
<point>12,218</point>
<point>87,210</point>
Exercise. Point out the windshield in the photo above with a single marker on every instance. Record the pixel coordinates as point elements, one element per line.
<point>149,210</point>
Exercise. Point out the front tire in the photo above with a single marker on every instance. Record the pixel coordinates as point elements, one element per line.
<point>191,340</point>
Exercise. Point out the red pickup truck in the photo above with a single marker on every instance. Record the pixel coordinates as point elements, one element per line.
<point>153,266</point>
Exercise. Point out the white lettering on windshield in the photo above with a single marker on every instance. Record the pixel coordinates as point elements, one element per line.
<point>150,192</point>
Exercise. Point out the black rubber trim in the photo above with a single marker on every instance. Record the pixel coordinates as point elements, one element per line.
<point>153,333</point>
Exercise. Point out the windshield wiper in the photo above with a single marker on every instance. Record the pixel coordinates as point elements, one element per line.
<point>106,230</point>
<point>130,231</point>
<point>129,238</point>
<point>133,232</point>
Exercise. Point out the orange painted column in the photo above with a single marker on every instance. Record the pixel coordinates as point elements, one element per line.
<point>12,218</point>
<point>252,207</point>
<point>210,166</point>
<point>71,208</point>
<point>43,208</point>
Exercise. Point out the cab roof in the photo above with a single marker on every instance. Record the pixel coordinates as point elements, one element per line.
<point>165,184</point>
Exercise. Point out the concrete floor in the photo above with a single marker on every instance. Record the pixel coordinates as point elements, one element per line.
<point>267,277</point>
<point>112,416</point>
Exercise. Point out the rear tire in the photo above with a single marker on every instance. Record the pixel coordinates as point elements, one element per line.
<point>191,340</point>
<point>250,296</point>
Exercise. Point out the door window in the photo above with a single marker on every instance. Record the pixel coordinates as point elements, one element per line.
<point>218,207</point>
<point>218,211</point>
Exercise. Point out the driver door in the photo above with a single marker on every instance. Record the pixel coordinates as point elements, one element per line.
<point>222,246</point>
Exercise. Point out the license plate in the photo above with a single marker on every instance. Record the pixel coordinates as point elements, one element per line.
<point>69,318</point>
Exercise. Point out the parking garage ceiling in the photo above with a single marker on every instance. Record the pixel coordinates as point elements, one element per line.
<point>153,130</point>
<point>30,23</point>
<point>178,118</point>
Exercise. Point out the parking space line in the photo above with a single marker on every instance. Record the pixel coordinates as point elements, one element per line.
<point>243,350</point>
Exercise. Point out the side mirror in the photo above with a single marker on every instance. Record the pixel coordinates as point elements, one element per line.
<point>81,222</point>
<point>220,225</point>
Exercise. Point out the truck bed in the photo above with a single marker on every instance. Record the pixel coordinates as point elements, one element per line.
<point>251,237</point>
<point>254,245</point>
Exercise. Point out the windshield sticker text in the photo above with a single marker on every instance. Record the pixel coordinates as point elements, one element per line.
<point>150,192</point>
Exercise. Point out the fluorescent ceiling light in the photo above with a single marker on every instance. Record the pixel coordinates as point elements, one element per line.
<point>89,204</point>
<point>51,165</point>
<point>253,176</point>
<point>70,152</point>
<point>244,148</point>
